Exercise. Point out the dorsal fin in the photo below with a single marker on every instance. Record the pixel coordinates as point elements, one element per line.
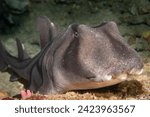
<point>47,30</point>
<point>22,53</point>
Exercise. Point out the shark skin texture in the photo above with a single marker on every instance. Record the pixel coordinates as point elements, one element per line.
<point>81,57</point>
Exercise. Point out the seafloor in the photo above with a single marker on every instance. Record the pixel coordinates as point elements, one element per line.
<point>133,24</point>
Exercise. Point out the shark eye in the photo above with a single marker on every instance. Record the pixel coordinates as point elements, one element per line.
<point>76,34</point>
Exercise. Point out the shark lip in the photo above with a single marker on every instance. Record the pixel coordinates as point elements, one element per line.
<point>114,79</point>
<point>92,84</point>
<point>121,76</point>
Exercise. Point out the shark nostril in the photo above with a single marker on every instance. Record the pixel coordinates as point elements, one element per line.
<point>136,71</point>
<point>140,72</point>
<point>137,67</point>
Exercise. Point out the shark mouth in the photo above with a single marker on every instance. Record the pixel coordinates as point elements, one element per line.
<point>112,80</point>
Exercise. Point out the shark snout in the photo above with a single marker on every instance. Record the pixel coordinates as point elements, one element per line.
<point>137,69</point>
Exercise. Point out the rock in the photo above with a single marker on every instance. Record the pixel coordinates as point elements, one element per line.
<point>131,40</point>
<point>130,88</point>
<point>148,21</point>
<point>39,1</point>
<point>140,19</point>
<point>9,87</point>
<point>8,98</point>
<point>37,97</point>
<point>141,44</point>
<point>3,94</point>
<point>138,7</point>
<point>18,6</point>
<point>146,36</point>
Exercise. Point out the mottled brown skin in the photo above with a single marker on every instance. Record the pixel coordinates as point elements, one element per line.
<point>82,57</point>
